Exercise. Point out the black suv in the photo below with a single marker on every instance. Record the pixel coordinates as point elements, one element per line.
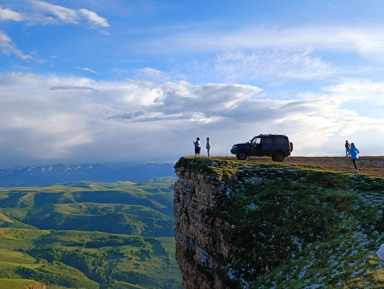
<point>277,146</point>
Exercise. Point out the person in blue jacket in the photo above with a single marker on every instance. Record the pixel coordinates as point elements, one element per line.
<point>354,155</point>
<point>197,147</point>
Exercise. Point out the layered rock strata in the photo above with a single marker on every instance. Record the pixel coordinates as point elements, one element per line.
<point>198,232</point>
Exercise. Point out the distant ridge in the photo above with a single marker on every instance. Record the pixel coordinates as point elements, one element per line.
<point>46,175</point>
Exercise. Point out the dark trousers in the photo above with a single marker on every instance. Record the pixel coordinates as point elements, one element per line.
<point>354,163</point>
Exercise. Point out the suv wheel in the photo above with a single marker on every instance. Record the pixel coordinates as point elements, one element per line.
<point>278,156</point>
<point>241,156</point>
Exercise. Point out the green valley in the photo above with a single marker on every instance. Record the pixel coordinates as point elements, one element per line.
<point>88,235</point>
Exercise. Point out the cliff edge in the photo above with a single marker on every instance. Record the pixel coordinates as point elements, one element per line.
<point>264,225</point>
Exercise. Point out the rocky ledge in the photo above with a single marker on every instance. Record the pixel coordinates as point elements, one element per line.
<point>266,225</point>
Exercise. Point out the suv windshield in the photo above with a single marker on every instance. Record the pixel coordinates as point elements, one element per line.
<point>255,140</point>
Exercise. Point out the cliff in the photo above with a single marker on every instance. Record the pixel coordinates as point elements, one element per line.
<point>266,225</point>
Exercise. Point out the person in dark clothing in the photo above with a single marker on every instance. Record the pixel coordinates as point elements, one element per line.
<point>354,155</point>
<point>347,148</point>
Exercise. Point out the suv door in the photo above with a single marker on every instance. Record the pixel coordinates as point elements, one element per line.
<point>256,146</point>
<point>268,145</point>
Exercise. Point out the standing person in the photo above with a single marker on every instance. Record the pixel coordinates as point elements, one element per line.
<point>208,146</point>
<point>347,148</point>
<point>197,147</point>
<point>354,155</point>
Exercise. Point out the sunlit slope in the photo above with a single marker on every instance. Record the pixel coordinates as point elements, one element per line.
<point>20,284</point>
<point>88,235</point>
<point>122,208</point>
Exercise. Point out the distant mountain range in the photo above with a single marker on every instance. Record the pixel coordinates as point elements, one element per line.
<point>46,175</point>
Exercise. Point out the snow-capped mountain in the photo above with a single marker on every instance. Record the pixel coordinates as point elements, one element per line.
<point>46,175</point>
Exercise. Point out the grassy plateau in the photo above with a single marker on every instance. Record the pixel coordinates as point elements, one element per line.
<point>303,223</point>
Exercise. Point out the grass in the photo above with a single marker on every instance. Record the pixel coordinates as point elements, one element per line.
<point>89,235</point>
<point>115,208</point>
<point>13,258</point>
<point>119,259</point>
<point>19,284</point>
<point>303,223</point>
<point>370,166</point>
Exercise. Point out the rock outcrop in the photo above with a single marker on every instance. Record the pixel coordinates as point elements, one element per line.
<point>264,225</point>
<point>199,233</point>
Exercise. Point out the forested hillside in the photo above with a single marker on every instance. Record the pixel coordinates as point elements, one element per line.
<point>88,235</point>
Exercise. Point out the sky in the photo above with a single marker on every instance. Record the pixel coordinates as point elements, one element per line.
<point>137,81</point>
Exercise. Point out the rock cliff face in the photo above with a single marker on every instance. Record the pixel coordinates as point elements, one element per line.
<point>199,233</point>
<point>263,225</point>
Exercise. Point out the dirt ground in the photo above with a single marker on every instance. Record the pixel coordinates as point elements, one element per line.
<point>371,166</point>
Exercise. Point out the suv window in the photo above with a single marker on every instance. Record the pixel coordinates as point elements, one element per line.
<point>280,140</point>
<point>267,140</point>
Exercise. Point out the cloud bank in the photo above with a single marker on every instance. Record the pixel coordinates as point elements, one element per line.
<point>45,118</point>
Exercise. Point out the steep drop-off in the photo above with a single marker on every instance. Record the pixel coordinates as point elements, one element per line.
<point>265,225</point>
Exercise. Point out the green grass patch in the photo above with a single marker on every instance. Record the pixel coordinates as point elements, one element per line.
<point>294,227</point>
<point>89,235</point>
<point>18,284</point>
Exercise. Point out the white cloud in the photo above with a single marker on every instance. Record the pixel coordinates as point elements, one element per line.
<point>52,118</point>
<point>302,52</point>
<point>7,47</point>
<point>327,38</point>
<point>277,63</point>
<point>7,14</point>
<point>64,14</point>
<point>86,69</point>
<point>94,19</point>
<point>358,90</point>
<point>78,119</point>
<point>47,13</point>
<point>18,79</point>
<point>152,72</point>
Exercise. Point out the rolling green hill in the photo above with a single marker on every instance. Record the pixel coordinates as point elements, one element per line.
<point>88,235</point>
<point>121,208</point>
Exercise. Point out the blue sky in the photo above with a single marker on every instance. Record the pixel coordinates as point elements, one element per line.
<point>138,81</point>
